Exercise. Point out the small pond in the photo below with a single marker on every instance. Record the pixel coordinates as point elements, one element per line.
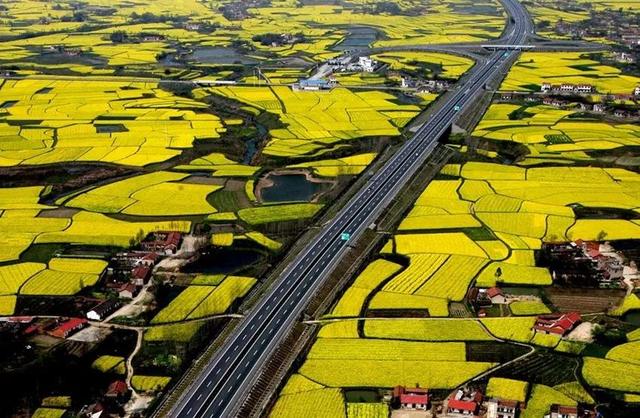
<point>358,37</point>
<point>632,317</point>
<point>362,395</point>
<point>292,188</point>
<point>219,55</point>
<point>226,260</point>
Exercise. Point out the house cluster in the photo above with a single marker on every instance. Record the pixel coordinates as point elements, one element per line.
<point>347,63</point>
<point>613,24</point>
<point>624,57</point>
<point>110,404</point>
<point>563,411</point>
<point>56,327</point>
<point>581,263</point>
<point>566,88</point>
<point>62,49</point>
<point>410,398</point>
<point>129,271</point>
<point>595,108</point>
<point>557,324</point>
<point>470,402</point>
<point>423,86</point>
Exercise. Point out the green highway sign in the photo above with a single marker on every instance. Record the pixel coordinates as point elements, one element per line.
<point>345,236</point>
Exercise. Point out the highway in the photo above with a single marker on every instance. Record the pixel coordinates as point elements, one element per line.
<point>225,381</point>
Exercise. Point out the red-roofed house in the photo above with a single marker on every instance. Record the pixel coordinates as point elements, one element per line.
<point>163,242</point>
<point>593,253</point>
<point>559,411</point>
<point>117,389</point>
<point>68,327</point>
<point>411,398</point>
<point>458,407</point>
<point>558,324</point>
<point>128,291</point>
<point>140,275</point>
<point>496,295</point>
<point>414,401</point>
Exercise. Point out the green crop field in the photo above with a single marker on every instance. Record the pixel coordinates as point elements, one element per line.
<point>534,68</point>
<point>149,384</point>
<point>507,389</point>
<point>198,301</point>
<point>317,122</point>
<point>279,213</point>
<point>156,194</point>
<point>542,125</point>
<point>108,121</point>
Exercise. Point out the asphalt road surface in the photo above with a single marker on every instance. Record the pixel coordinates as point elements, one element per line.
<point>224,382</point>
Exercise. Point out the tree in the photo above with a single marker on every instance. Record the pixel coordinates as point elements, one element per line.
<point>499,272</point>
<point>118,36</point>
<point>601,235</point>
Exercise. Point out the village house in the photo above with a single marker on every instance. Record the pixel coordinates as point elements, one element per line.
<point>557,324</point>
<point>624,57</point>
<point>128,291</point>
<point>192,26</point>
<point>464,403</point>
<point>411,398</point>
<point>563,411</point>
<point>559,411</point>
<point>314,85</point>
<point>103,310</point>
<point>68,328</point>
<point>153,38</point>
<point>140,275</point>
<point>501,408</point>
<point>367,64</point>
<point>118,390</point>
<point>496,295</point>
<point>162,242</point>
<point>94,410</point>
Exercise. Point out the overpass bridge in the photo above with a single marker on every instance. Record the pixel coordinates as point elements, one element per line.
<point>499,47</point>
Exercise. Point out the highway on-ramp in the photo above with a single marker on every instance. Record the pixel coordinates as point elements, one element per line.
<point>224,382</point>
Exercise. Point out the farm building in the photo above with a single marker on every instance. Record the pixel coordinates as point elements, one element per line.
<point>314,85</point>
<point>464,403</point>
<point>102,310</point>
<point>411,398</point>
<point>140,275</point>
<point>117,390</point>
<point>68,328</point>
<point>559,324</point>
<point>128,291</point>
<point>500,408</point>
<point>496,295</point>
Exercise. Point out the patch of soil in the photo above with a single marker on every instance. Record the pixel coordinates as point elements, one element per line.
<point>584,300</point>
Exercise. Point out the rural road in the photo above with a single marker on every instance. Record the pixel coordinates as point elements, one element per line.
<point>223,383</point>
